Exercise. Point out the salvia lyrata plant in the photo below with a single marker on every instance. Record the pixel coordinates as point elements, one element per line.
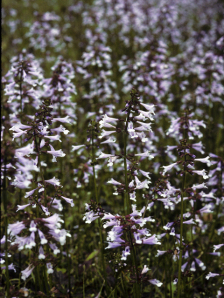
<point>112,163</point>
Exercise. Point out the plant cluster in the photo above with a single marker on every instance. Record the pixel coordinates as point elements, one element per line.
<point>112,160</point>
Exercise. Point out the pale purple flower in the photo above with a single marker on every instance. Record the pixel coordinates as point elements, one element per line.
<point>53,138</point>
<point>63,120</point>
<point>22,207</point>
<point>133,196</point>
<point>151,240</point>
<point>150,108</point>
<point>29,193</point>
<point>211,275</point>
<point>54,181</point>
<point>60,129</point>
<point>41,253</point>
<point>106,133</point>
<point>114,182</point>
<point>30,241</point>
<point>125,253</point>
<point>55,153</point>
<point>107,119</point>
<point>220,230</point>
<point>141,185</point>
<point>145,154</point>
<point>103,155</point>
<point>108,141</point>
<point>156,282</point>
<point>54,248</point>
<point>108,216</point>
<point>200,264</point>
<point>26,273</point>
<point>193,268</point>
<point>206,209</point>
<point>145,269</point>
<point>49,268</point>
<point>202,173</point>
<point>32,226</point>
<point>90,216</point>
<point>183,267</point>
<point>160,252</point>
<point>167,168</point>
<point>204,160</point>
<point>113,245</point>
<point>70,201</point>
<point>199,186</point>
<point>189,222</point>
<point>45,209</point>
<point>215,247</point>
<point>25,151</point>
<point>146,174</point>
<point>43,240</point>
<point>54,219</point>
<point>16,228</point>
<point>74,148</point>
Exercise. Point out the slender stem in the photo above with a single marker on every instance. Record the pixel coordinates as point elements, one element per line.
<point>97,200</point>
<point>83,282</point>
<point>181,229</point>
<point>137,292</point>
<point>126,196</point>
<point>6,227</point>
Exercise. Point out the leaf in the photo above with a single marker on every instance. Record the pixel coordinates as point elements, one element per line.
<point>92,255</point>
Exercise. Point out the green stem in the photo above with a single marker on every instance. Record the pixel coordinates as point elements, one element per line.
<point>134,260</point>
<point>6,228</point>
<point>98,220</point>
<point>127,204</point>
<point>83,282</point>
<point>181,230</point>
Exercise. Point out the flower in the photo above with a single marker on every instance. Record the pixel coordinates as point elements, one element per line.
<point>156,282</point>
<point>114,182</point>
<point>202,173</point>
<point>49,268</point>
<point>41,253</point>
<point>21,207</point>
<point>26,273</point>
<point>204,160</point>
<point>151,240</point>
<point>74,148</point>
<point>16,228</point>
<point>70,201</point>
<point>145,269</point>
<point>167,168</point>
<point>53,181</point>
<point>211,275</point>
<point>63,120</point>
<point>55,153</point>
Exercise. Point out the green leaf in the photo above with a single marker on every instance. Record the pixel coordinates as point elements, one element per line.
<point>92,255</point>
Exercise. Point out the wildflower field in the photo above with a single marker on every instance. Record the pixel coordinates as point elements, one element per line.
<point>112,149</point>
